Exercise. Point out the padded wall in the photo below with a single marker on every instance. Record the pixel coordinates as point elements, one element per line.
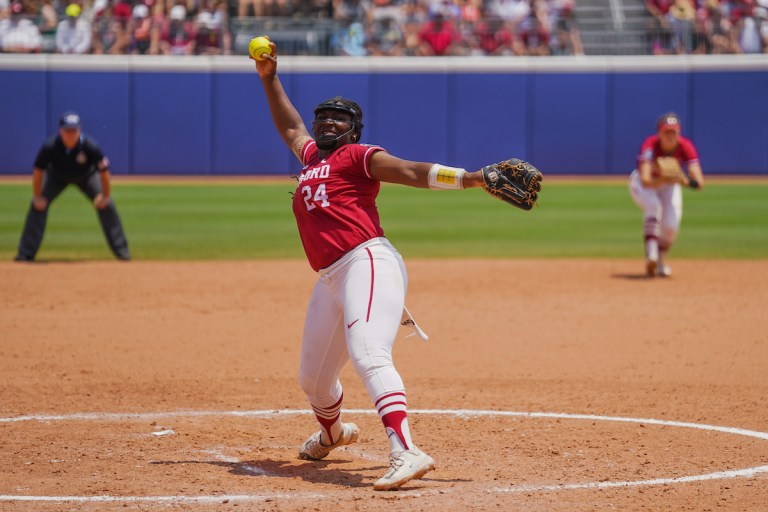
<point>577,116</point>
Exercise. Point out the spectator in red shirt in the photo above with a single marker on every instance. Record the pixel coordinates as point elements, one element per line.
<point>494,38</point>
<point>439,36</point>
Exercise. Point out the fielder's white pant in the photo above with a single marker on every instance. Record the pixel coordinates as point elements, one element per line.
<point>354,314</point>
<point>662,209</point>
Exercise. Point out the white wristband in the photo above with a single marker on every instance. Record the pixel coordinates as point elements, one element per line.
<point>443,177</point>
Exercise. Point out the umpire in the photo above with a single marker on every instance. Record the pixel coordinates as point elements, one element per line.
<point>71,158</point>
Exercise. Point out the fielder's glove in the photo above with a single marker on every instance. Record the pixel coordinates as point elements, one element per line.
<point>513,181</point>
<point>669,169</point>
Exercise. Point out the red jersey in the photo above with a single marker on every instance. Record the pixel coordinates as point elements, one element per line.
<point>651,150</point>
<point>335,202</point>
<point>439,36</point>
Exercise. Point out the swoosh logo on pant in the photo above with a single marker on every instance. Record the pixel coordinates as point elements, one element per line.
<point>349,326</point>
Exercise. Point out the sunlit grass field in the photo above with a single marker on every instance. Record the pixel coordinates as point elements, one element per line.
<point>234,221</point>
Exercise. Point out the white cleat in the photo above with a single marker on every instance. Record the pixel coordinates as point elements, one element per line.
<point>314,449</point>
<point>651,267</point>
<point>403,467</point>
<point>664,270</point>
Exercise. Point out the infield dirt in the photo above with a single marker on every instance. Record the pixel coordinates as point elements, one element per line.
<point>198,342</point>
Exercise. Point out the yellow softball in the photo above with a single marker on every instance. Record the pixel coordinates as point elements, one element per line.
<point>258,46</point>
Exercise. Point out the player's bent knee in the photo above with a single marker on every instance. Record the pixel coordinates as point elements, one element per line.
<point>319,390</point>
<point>372,363</point>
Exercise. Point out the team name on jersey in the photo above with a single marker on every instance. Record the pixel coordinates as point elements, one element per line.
<point>320,172</point>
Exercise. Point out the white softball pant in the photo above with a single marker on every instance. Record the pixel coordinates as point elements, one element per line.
<point>354,314</point>
<point>662,209</point>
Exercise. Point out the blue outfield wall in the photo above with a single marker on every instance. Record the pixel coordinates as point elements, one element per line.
<point>208,115</point>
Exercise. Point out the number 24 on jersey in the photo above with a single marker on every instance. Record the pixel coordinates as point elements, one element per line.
<point>311,200</point>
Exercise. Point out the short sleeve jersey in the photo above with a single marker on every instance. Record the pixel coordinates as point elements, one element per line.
<point>335,202</point>
<point>74,164</point>
<point>685,153</point>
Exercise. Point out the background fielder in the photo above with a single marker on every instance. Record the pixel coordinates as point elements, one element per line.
<point>655,186</point>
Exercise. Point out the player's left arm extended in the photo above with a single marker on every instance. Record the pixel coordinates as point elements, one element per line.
<point>514,181</point>
<point>391,169</point>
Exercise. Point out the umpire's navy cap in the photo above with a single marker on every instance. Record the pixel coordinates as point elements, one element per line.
<point>69,120</point>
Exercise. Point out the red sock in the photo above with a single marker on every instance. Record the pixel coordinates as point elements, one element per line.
<point>328,417</point>
<point>392,411</point>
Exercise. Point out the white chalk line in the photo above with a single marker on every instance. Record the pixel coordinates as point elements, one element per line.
<point>164,499</point>
<point>738,473</point>
<point>461,413</point>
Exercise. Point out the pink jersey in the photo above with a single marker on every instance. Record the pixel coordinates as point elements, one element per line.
<point>651,150</point>
<point>335,202</point>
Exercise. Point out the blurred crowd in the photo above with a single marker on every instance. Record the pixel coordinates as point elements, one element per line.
<point>360,27</point>
<point>457,27</point>
<point>707,26</point>
<point>367,27</point>
<point>158,27</point>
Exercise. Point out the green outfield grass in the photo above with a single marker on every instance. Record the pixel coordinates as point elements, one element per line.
<point>250,221</point>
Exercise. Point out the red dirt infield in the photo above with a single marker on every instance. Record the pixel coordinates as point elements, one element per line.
<point>611,391</point>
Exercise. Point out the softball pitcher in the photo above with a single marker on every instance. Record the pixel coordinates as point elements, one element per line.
<point>655,186</point>
<point>358,301</point>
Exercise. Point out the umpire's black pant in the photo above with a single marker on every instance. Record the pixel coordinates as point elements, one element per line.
<point>34,227</point>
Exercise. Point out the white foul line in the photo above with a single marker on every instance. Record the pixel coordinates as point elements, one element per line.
<point>739,473</point>
<point>462,413</point>
<point>175,499</point>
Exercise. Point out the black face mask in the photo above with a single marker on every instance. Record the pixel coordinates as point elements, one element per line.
<point>328,142</point>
